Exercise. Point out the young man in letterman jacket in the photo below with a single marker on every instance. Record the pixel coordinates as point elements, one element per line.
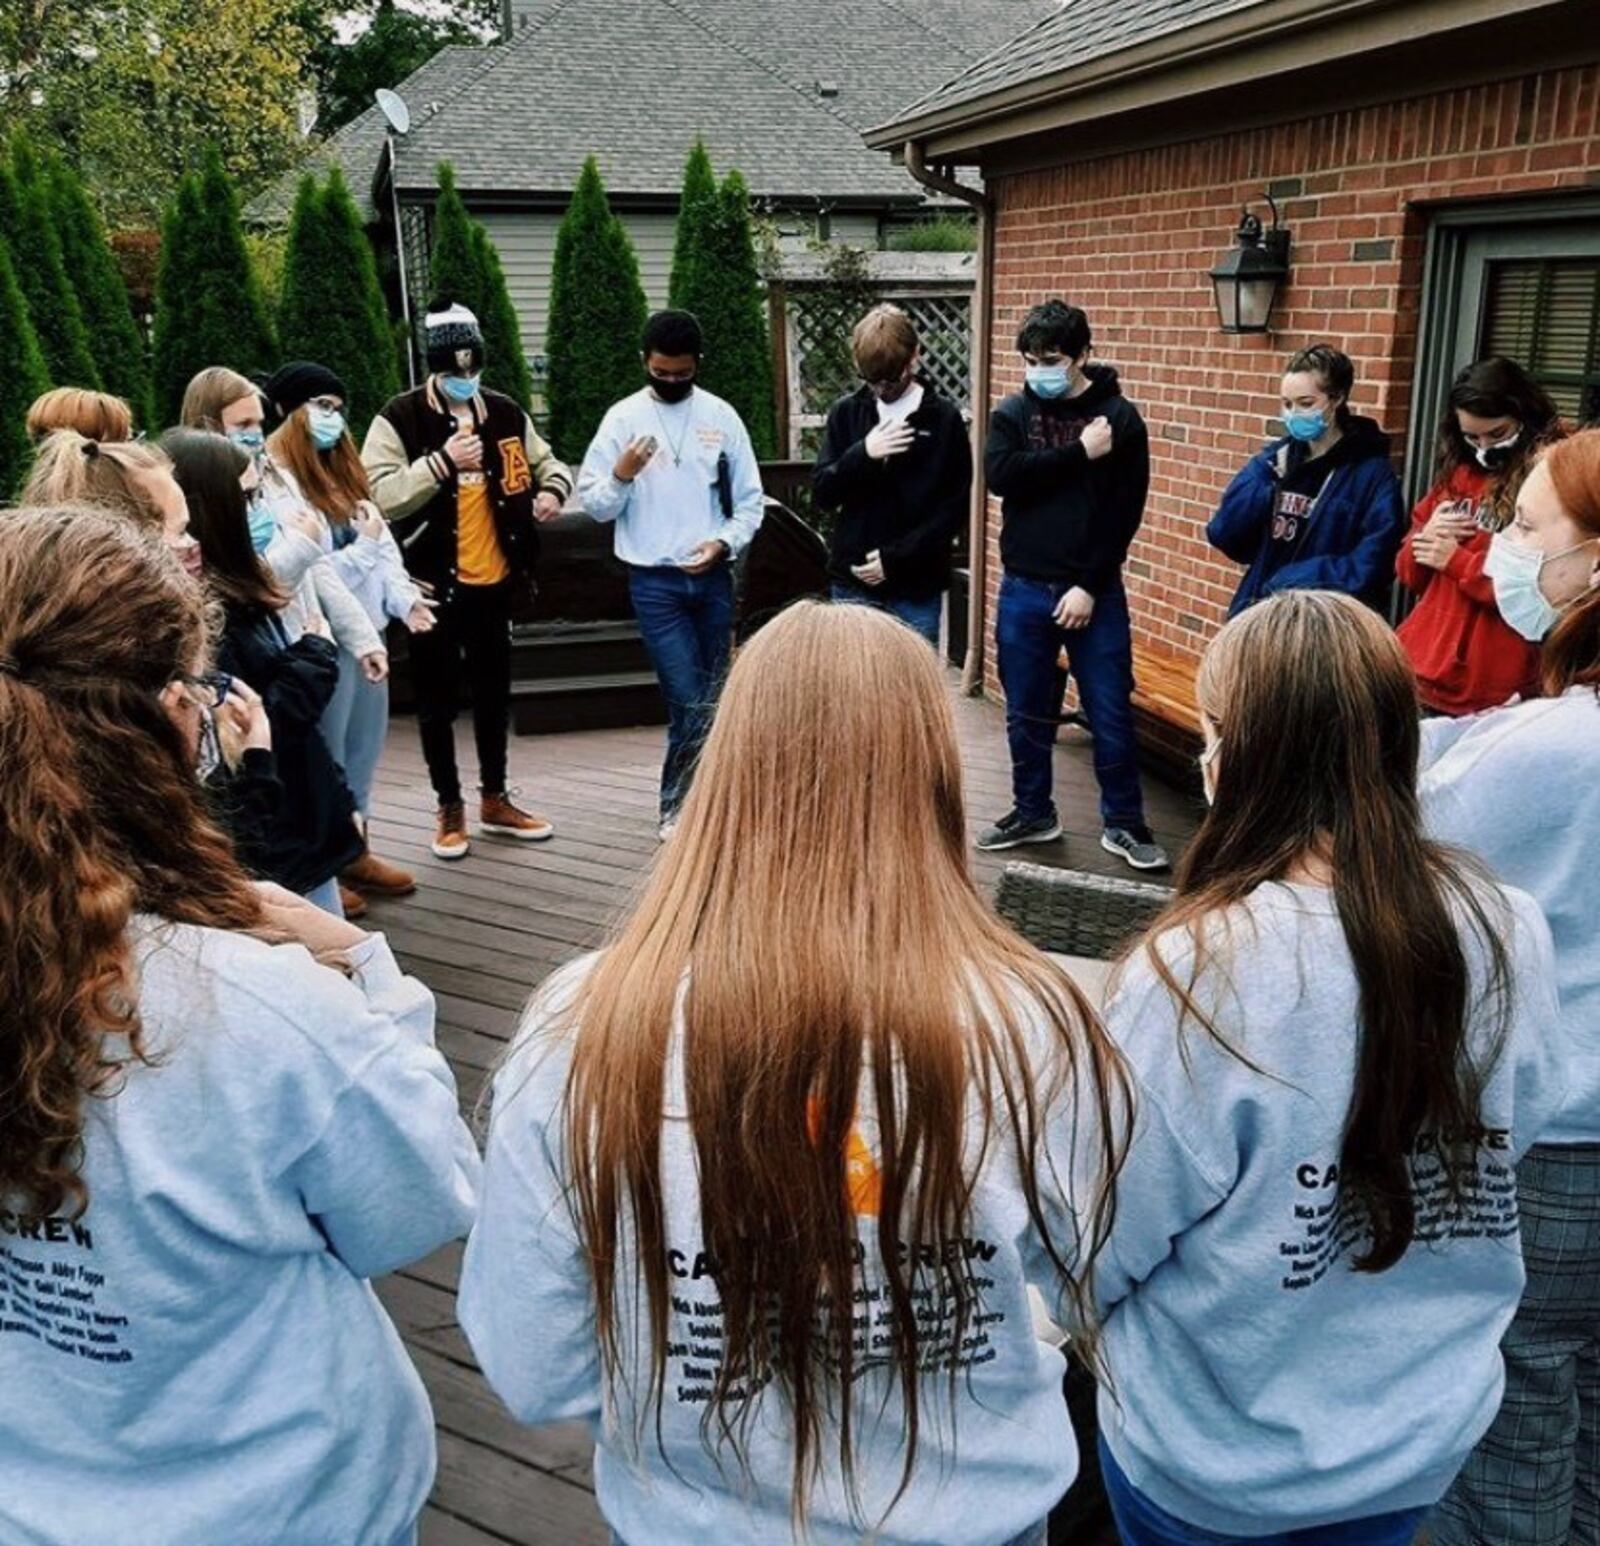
<point>465,478</point>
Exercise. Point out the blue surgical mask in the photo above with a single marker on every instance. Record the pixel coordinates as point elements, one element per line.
<point>251,441</point>
<point>1514,572</point>
<point>263,524</point>
<point>1049,380</point>
<point>1306,423</point>
<point>459,389</point>
<point>327,427</point>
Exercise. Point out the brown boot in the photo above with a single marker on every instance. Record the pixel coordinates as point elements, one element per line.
<point>451,840</point>
<point>498,814</point>
<point>377,877</point>
<point>354,904</point>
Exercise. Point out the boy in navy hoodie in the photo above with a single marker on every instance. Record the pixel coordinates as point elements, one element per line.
<point>1070,459</point>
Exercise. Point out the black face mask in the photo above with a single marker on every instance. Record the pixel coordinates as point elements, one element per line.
<point>671,391</point>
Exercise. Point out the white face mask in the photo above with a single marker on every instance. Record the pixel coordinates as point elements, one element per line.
<point>1208,777</point>
<point>1514,571</point>
<point>1493,458</point>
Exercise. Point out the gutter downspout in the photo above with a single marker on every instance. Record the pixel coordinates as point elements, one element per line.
<point>982,308</point>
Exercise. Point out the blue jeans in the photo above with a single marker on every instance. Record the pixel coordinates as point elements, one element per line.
<point>1029,642</point>
<point>920,616</point>
<point>326,896</point>
<point>1141,1523</point>
<point>354,725</point>
<point>686,622</point>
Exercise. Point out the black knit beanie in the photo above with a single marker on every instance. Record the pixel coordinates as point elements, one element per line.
<point>296,383</point>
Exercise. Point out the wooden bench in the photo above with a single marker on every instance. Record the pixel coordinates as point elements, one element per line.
<point>1165,687</point>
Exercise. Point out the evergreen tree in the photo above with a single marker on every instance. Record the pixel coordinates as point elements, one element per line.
<point>697,211</point>
<point>333,309</point>
<point>597,316</point>
<point>209,305</point>
<point>27,218</point>
<point>21,381</point>
<point>727,297</point>
<point>114,335</point>
<point>456,269</point>
<point>505,362</point>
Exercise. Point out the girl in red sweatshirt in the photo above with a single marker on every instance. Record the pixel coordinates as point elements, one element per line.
<point>1466,658</point>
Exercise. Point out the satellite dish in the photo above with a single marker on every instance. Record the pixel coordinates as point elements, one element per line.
<point>392,105</point>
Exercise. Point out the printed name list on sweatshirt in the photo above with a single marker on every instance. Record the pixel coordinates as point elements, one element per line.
<point>694,1355</point>
<point>55,1301</point>
<point>1484,1206</point>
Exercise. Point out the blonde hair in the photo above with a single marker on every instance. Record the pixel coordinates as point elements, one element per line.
<point>817,979</point>
<point>209,392</point>
<point>72,469</point>
<point>883,343</point>
<point>98,415</point>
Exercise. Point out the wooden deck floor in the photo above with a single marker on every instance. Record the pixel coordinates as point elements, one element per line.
<point>483,932</point>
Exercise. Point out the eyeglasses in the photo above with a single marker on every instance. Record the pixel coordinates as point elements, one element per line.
<point>327,404</point>
<point>209,690</point>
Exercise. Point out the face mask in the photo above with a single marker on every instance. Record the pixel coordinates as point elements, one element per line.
<point>1208,779</point>
<point>263,527</point>
<point>209,757</point>
<point>250,441</point>
<point>327,427</point>
<point>1049,380</point>
<point>1514,571</point>
<point>671,391</point>
<point>1493,458</point>
<point>1306,423</point>
<point>459,389</point>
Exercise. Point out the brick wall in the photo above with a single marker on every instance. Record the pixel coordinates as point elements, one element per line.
<point>1132,237</point>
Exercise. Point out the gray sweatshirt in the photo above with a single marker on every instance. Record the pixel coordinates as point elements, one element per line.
<point>1517,787</point>
<point>1258,1383</point>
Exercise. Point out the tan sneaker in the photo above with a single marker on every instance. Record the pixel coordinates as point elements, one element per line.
<point>353,903</point>
<point>498,814</point>
<point>451,840</point>
<point>377,877</point>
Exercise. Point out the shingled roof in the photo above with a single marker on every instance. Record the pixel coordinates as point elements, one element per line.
<point>1077,33</point>
<point>779,88</point>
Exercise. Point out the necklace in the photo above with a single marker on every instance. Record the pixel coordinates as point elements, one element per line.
<point>676,446</point>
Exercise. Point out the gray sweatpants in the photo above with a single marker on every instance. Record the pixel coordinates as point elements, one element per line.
<point>1534,1479</point>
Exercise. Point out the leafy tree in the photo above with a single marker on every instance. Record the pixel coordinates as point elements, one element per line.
<point>395,42</point>
<point>209,307</point>
<point>455,270</point>
<point>597,316</point>
<point>27,219</point>
<point>332,309</point>
<point>724,292</point>
<point>21,381</point>
<point>114,336</point>
<point>697,211</point>
<point>505,362</point>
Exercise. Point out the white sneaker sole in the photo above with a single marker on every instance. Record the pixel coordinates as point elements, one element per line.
<point>450,850</point>
<point>1017,842</point>
<point>522,835</point>
<point>1129,860</point>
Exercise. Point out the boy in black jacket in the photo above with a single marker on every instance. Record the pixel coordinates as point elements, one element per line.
<point>1070,459</point>
<point>897,466</point>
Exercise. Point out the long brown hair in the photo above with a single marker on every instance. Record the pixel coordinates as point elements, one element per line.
<point>98,415</point>
<point>72,469</point>
<point>1571,656</point>
<point>208,467</point>
<point>1316,708</point>
<point>333,482</point>
<point>103,817</point>
<point>210,391</point>
<point>1491,389</point>
<point>815,975</point>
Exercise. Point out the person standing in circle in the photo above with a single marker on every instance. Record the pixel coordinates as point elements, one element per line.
<point>1466,656</point>
<point>673,467</point>
<point>465,478</point>
<point>1319,509</point>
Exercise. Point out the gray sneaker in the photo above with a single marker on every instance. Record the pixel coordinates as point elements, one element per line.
<point>1011,831</point>
<point>1136,845</point>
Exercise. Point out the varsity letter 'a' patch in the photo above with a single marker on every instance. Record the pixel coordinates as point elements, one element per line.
<point>514,459</point>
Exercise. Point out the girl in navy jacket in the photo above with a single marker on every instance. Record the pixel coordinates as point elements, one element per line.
<point>1321,508</point>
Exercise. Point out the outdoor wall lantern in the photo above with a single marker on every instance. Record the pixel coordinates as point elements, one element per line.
<point>1249,275</point>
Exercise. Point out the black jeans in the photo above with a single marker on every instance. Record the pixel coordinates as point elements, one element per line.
<point>473,626</point>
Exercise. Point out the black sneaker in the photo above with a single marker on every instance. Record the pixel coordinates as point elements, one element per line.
<point>1136,845</point>
<point>1011,831</point>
